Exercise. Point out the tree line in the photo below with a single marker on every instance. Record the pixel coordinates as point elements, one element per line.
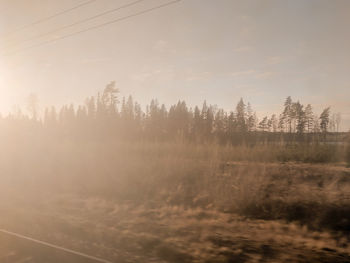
<point>105,115</point>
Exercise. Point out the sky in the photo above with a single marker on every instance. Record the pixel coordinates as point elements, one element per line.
<point>193,50</point>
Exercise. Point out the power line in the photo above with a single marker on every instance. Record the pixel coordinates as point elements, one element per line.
<point>49,17</point>
<point>98,26</point>
<point>80,22</point>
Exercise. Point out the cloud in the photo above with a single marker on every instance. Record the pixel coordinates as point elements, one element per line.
<point>154,75</point>
<point>265,75</point>
<point>160,45</point>
<point>141,77</point>
<point>274,60</point>
<point>163,46</point>
<point>243,73</point>
<point>243,49</point>
<point>194,76</point>
<point>94,60</point>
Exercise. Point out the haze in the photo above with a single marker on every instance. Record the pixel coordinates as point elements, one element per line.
<point>174,131</point>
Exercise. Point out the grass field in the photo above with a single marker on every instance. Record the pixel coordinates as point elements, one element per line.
<point>172,202</point>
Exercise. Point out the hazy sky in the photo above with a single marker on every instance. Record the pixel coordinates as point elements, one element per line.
<point>218,50</point>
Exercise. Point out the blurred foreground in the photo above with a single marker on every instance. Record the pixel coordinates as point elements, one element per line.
<point>170,202</point>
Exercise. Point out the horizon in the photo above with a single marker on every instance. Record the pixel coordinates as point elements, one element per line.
<point>23,109</point>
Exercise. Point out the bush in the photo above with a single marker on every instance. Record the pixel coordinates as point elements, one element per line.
<point>348,151</point>
<point>317,153</point>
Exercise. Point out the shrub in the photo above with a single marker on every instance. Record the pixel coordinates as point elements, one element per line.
<point>348,151</point>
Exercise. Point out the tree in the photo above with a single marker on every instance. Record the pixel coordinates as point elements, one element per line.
<point>50,117</point>
<point>324,119</point>
<point>334,122</point>
<point>241,117</point>
<point>269,124</point>
<point>178,118</point>
<point>219,121</point>
<point>316,122</point>
<point>197,122</point>
<point>299,115</point>
<point>129,108</point>
<point>309,118</point>
<point>152,121</point>
<point>263,124</point>
<point>91,108</point>
<point>204,111</point>
<point>33,105</point>
<point>274,123</point>
<point>207,119</point>
<point>138,116</point>
<point>338,121</point>
<point>251,120</point>
<point>281,123</point>
<point>109,99</point>
<point>231,124</point>
<point>81,117</point>
<point>255,121</point>
<point>209,123</point>
<point>348,149</point>
<point>287,114</point>
<point>332,125</point>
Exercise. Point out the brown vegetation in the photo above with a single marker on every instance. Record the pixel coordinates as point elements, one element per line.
<point>178,202</point>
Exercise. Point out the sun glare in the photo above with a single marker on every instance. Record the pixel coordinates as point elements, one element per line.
<point>4,89</point>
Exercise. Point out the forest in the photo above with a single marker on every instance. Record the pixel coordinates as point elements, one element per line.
<point>108,116</point>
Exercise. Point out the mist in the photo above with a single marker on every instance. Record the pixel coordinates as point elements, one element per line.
<point>174,131</point>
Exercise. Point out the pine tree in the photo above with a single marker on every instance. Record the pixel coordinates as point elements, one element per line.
<point>274,123</point>
<point>332,123</point>
<point>287,114</point>
<point>299,116</point>
<point>251,122</point>
<point>204,120</point>
<point>209,122</point>
<point>231,124</point>
<point>33,106</point>
<point>129,109</point>
<point>197,121</point>
<point>91,108</point>
<point>109,99</point>
<point>219,122</point>
<point>269,124</point>
<point>138,116</point>
<point>263,124</point>
<point>324,120</point>
<point>316,122</point>
<point>281,123</point>
<point>241,117</point>
<point>309,118</point>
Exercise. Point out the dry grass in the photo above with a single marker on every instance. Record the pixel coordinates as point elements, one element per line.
<point>132,233</point>
<point>172,202</point>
